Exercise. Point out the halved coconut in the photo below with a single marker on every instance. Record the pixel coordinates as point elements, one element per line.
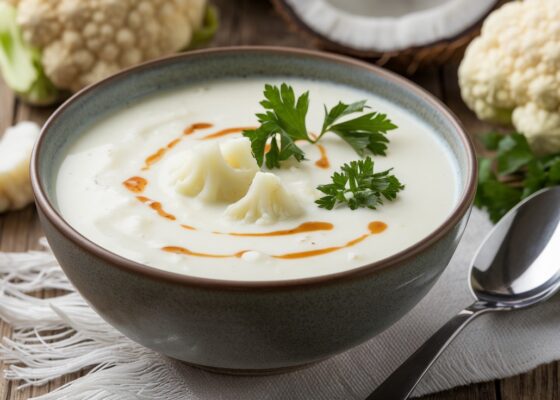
<point>411,32</point>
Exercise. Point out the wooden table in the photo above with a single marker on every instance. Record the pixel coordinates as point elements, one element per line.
<point>246,22</point>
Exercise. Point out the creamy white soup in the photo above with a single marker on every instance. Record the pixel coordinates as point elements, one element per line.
<point>168,182</point>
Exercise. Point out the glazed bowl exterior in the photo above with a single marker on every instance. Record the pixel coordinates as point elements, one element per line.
<point>247,326</point>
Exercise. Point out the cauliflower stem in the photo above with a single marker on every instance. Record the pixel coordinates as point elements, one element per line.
<point>208,29</point>
<point>21,64</point>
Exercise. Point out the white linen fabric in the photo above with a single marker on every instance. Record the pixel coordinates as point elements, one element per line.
<point>493,346</point>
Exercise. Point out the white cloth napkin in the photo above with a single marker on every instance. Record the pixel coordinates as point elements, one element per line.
<point>493,346</point>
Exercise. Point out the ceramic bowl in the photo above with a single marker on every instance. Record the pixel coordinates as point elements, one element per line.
<point>249,327</point>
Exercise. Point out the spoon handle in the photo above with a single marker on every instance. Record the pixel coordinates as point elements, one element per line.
<point>400,384</point>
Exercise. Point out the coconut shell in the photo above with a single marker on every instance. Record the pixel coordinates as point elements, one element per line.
<point>405,61</point>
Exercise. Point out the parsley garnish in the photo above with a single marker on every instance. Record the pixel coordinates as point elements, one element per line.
<point>366,132</point>
<point>512,174</point>
<point>357,185</point>
<point>283,124</point>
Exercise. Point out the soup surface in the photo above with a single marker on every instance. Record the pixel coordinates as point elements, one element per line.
<point>114,187</point>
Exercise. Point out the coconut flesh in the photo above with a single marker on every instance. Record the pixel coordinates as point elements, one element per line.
<point>388,25</point>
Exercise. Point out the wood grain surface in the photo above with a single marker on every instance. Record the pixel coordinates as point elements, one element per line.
<point>245,22</point>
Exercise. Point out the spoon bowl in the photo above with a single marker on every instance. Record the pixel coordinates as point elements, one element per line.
<point>517,266</point>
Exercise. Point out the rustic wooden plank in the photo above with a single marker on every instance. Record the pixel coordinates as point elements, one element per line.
<point>428,78</point>
<point>247,22</point>
<point>8,106</point>
<point>482,391</point>
<point>230,21</point>
<point>542,383</point>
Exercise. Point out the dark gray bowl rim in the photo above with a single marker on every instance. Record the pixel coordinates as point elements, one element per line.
<point>56,219</point>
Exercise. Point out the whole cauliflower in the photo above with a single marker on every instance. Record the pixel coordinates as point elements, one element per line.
<point>83,41</point>
<point>511,72</point>
<point>78,42</point>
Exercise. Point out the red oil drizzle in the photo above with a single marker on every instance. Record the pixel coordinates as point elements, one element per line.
<point>173,143</point>
<point>322,162</point>
<point>195,127</point>
<point>228,131</point>
<point>187,252</point>
<point>305,227</point>
<point>158,155</point>
<point>317,252</point>
<point>154,158</point>
<point>157,207</point>
<point>374,228</point>
<point>135,184</point>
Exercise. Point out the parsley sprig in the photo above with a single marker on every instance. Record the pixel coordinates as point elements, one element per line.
<point>284,122</point>
<point>357,185</point>
<point>513,173</point>
<point>364,133</point>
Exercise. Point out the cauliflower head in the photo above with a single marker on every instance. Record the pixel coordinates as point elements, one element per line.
<point>511,72</point>
<point>83,41</point>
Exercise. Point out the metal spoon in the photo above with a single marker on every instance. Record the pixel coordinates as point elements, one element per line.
<point>517,266</point>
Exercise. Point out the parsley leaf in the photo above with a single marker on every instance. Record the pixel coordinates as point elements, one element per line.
<point>512,174</point>
<point>366,132</point>
<point>495,196</point>
<point>288,114</point>
<point>513,153</point>
<point>553,166</point>
<point>491,140</point>
<point>340,110</point>
<point>283,124</point>
<point>357,185</point>
<point>258,138</point>
<point>498,198</point>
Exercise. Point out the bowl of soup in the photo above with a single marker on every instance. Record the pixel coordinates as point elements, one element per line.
<point>151,197</point>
